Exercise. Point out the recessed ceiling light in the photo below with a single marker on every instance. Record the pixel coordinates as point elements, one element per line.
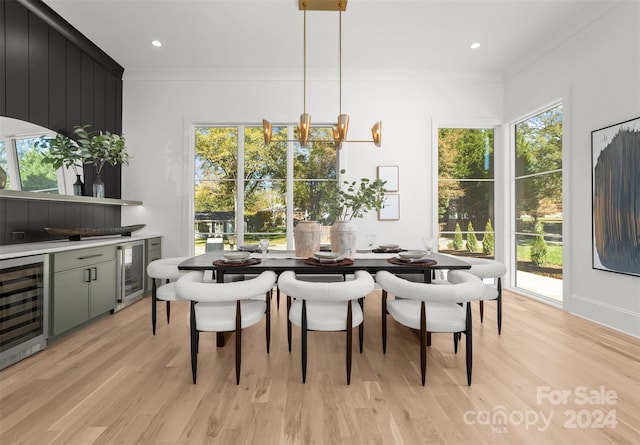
<point>475,45</point>
<point>156,43</point>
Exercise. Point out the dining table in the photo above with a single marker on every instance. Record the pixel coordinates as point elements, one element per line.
<point>279,261</point>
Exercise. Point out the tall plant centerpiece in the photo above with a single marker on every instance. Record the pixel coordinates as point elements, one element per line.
<point>352,200</point>
<point>63,151</point>
<point>102,148</point>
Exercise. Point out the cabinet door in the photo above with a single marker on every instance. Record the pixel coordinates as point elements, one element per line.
<point>154,251</point>
<point>102,292</point>
<point>70,299</point>
<point>151,256</point>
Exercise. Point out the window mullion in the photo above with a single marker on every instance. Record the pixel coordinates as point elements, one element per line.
<point>240,187</point>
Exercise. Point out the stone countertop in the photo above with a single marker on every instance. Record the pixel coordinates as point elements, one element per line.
<point>27,249</point>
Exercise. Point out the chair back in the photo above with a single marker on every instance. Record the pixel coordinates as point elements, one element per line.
<point>360,286</point>
<point>486,268</point>
<point>191,287</point>
<point>166,268</point>
<point>464,287</point>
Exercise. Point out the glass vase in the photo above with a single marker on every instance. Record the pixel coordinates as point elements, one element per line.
<point>98,186</point>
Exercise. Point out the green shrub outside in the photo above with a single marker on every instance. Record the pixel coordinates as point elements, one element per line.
<point>457,238</point>
<point>538,246</point>
<point>488,241</point>
<point>472,240</point>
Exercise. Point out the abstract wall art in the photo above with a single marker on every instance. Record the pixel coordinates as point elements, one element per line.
<point>615,183</point>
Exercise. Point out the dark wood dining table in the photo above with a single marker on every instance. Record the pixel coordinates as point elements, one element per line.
<point>287,261</point>
<point>281,261</point>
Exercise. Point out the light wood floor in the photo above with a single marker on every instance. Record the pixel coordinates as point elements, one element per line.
<point>113,382</point>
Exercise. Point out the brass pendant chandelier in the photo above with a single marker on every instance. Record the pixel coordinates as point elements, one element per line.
<point>341,128</point>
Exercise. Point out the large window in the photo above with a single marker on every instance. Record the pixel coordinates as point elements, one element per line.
<point>243,189</point>
<point>466,191</point>
<point>538,203</point>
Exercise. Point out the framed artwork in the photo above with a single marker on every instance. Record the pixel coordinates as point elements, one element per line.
<point>615,184</point>
<point>391,208</point>
<point>389,173</point>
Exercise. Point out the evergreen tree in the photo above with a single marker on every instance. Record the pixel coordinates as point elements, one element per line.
<point>488,242</point>
<point>538,246</point>
<point>472,240</point>
<point>457,238</point>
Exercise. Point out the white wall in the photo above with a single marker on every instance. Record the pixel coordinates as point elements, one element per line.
<point>597,75</point>
<point>158,109</point>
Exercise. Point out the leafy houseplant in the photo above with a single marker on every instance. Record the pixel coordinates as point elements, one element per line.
<point>102,148</point>
<point>63,151</point>
<point>354,199</point>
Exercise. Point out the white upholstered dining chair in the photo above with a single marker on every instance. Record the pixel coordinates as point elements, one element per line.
<point>164,269</point>
<point>326,306</point>
<point>487,269</point>
<point>226,307</point>
<point>432,308</point>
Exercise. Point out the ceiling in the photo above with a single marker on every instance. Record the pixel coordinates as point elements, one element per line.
<point>423,35</point>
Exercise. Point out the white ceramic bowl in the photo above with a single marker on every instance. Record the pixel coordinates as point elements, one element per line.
<point>236,256</point>
<point>412,254</point>
<point>248,247</point>
<point>326,255</point>
<point>389,246</point>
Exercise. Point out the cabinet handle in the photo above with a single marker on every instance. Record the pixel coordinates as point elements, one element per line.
<point>94,273</point>
<point>89,256</point>
<point>87,275</point>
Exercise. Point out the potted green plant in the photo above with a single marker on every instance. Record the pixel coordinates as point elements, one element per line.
<point>352,200</point>
<point>64,151</point>
<point>102,148</point>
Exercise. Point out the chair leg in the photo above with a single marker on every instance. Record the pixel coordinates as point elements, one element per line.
<point>481,311</point>
<point>455,342</point>
<point>288,322</point>
<point>469,344</point>
<point>238,341</point>
<point>277,297</point>
<point>194,342</point>
<point>154,301</point>
<point>499,305</point>
<point>384,321</point>
<point>361,325</point>
<point>168,305</point>
<point>349,340</point>
<point>268,322</point>
<point>304,341</point>
<point>423,341</point>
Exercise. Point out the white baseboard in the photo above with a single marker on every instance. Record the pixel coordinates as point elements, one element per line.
<point>620,319</point>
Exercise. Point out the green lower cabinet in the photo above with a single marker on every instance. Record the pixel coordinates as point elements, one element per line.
<point>84,287</point>
<point>102,291</point>
<point>71,300</point>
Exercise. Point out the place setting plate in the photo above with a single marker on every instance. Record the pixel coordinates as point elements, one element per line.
<point>419,257</point>
<point>236,258</point>
<point>328,259</point>
<point>387,248</point>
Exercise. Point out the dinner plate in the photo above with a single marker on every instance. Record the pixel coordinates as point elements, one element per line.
<point>326,255</point>
<point>236,261</point>
<point>389,246</point>
<point>412,254</point>
<point>236,256</point>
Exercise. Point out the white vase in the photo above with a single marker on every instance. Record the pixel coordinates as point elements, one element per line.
<point>307,238</point>
<point>343,237</point>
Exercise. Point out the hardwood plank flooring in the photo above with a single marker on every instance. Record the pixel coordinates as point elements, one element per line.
<point>114,382</point>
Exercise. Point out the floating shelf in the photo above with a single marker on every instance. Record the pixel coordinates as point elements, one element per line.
<point>16,194</point>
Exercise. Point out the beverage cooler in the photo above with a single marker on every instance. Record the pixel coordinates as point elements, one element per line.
<point>130,273</point>
<point>24,307</point>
